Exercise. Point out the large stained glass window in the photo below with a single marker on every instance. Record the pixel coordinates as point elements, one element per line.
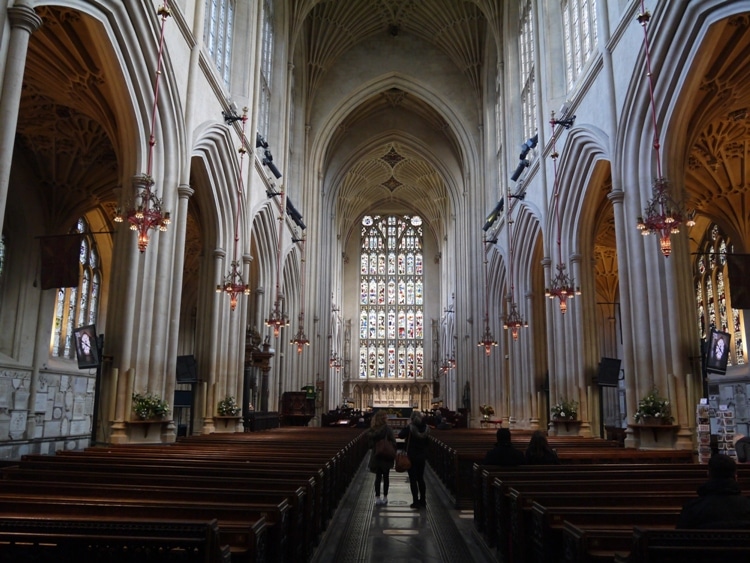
<point>713,293</point>
<point>77,306</point>
<point>391,298</point>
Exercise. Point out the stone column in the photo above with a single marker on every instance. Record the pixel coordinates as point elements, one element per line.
<point>23,22</point>
<point>184,192</point>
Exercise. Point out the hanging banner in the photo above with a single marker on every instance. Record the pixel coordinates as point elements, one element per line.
<point>738,266</point>
<point>60,260</point>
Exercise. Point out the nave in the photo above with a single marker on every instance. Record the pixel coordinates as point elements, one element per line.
<point>361,532</point>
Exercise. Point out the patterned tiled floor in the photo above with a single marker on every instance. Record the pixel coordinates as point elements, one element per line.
<point>361,532</point>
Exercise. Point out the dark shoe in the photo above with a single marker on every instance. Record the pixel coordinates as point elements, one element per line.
<point>422,503</point>
<point>415,505</point>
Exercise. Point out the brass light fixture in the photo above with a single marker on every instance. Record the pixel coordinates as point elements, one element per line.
<point>300,339</point>
<point>233,284</point>
<point>146,212</point>
<point>278,318</point>
<point>562,286</point>
<point>512,320</point>
<point>663,215</point>
<point>488,339</point>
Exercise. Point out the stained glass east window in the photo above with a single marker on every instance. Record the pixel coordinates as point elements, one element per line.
<point>391,317</point>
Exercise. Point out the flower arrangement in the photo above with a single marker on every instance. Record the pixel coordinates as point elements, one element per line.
<point>653,405</point>
<point>228,407</point>
<point>148,405</point>
<point>565,409</point>
<point>487,411</point>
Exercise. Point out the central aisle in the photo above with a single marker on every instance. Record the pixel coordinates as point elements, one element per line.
<point>361,532</point>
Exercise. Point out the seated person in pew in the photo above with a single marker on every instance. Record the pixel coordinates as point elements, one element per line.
<point>742,447</point>
<point>504,453</point>
<point>538,452</point>
<point>720,503</point>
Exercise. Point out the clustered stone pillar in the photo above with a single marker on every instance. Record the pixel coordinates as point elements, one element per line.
<point>23,22</point>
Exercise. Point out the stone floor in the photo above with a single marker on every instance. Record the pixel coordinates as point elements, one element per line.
<point>361,532</point>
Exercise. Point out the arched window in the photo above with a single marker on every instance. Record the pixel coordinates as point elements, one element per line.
<point>218,34</point>
<point>579,27</point>
<point>391,302</point>
<point>713,294</point>
<point>266,70</point>
<point>77,306</point>
<point>526,68</point>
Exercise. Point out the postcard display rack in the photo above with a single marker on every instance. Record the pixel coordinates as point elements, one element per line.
<point>715,426</point>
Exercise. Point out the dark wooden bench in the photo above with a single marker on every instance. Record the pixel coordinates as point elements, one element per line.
<point>453,456</point>
<point>490,500</point>
<point>520,525</point>
<point>245,528</point>
<point>286,535</point>
<point>683,546</point>
<point>314,481</point>
<point>311,514</point>
<point>545,539</point>
<point>110,539</point>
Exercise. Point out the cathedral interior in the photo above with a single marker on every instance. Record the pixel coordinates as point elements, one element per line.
<point>383,204</point>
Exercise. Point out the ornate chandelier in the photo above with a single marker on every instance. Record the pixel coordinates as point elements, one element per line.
<point>562,286</point>
<point>233,284</point>
<point>146,212</point>
<point>512,320</point>
<point>300,339</point>
<point>278,318</point>
<point>335,361</point>
<point>488,339</point>
<point>662,215</point>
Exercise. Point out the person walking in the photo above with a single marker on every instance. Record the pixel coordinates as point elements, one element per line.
<point>417,442</point>
<point>381,464</point>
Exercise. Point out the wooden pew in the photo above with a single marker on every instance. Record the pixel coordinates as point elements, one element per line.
<point>286,538</point>
<point>609,484</point>
<point>594,545</point>
<point>452,456</point>
<point>310,529</point>
<point>315,482</point>
<point>520,520</point>
<point>490,500</point>
<point>245,532</point>
<point>682,546</point>
<point>110,539</point>
<point>546,534</point>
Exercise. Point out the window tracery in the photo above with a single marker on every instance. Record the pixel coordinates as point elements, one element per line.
<point>391,302</point>
<point>713,293</point>
<point>77,306</point>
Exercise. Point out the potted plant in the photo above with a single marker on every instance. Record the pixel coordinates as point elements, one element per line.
<point>148,406</point>
<point>653,409</point>
<point>228,407</point>
<point>487,411</point>
<point>566,409</point>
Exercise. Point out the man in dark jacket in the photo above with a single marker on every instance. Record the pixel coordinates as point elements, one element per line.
<point>504,453</point>
<point>416,435</point>
<point>720,503</point>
